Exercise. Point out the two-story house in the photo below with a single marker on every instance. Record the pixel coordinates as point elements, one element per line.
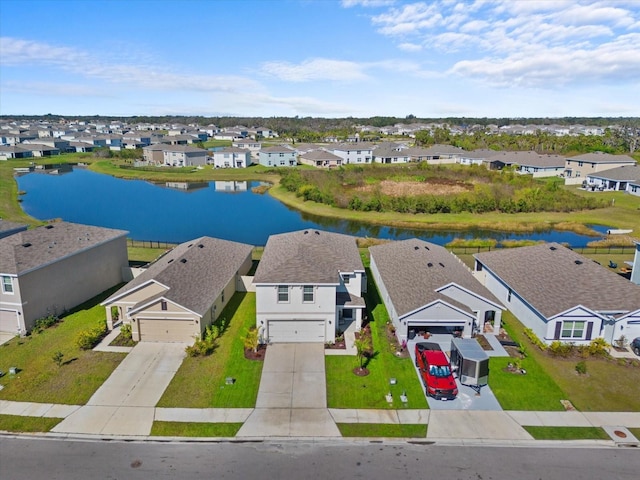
<point>577,168</point>
<point>309,286</point>
<point>278,157</point>
<point>231,157</point>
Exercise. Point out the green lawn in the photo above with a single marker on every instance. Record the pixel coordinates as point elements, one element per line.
<point>200,382</point>
<point>39,379</point>
<point>16,423</point>
<point>567,433</point>
<point>382,430</point>
<point>635,432</point>
<point>144,254</point>
<point>347,390</point>
<point>179,429</point>
<point>607,386</point>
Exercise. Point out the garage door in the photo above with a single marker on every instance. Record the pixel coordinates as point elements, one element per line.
<point>167,330</point>
<point>287,331</point>
<point>8,321</point>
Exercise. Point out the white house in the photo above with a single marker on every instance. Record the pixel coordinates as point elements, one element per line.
<point>615,179</point>
<point>309,285</point>
<point>560,294</point>
<point>426,288</point>
<point>354,153</point>
<point>183,156</point>
<point>231,157</point>
<point>578,167</point>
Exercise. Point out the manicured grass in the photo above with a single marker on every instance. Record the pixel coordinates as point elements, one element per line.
<point>347,390</point>
<point>39,379</point>
<point>143,254</point>
<point>607,386</point>
<point>200,382</point>
<point>567,433</point>
<point>635,432</point>
<point>179,429</point>
<point>17,423</point>
<point>382,430</point>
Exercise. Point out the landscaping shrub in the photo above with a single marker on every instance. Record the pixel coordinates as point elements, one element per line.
<point>561,349</point>
<point>125,331</point>
<point>534,339</point>
<point>581,368</point>
<point>45,322</point>
<point>201,348</point>
<point>598,347</point>
<point>88,339</point>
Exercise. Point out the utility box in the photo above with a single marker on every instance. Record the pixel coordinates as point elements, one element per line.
<point>470,362</point>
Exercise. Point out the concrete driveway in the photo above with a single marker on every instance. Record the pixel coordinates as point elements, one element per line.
<point>292,398</point>
<point>124,404</point>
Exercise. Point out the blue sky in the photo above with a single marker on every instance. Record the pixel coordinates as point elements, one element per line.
<point>475,58</point>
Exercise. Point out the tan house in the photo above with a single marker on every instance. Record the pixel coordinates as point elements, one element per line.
<point>51,269</point>
<point>577,168</point>
<point>182,292</point>
<point>321,159</point>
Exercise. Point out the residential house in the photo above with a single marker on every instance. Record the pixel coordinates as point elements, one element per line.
<point>559,294</point>
<point>618,179</point>
<point>354,153</point>
<point>309,286</point>
<point>442,154</point>
<point>53,268</point>
<point>389,153</point>
<point>278,157</point>
<point>154,154</point>
<point>249,144</point>
<point>182,292</point>
<point>39,150</point>
<point>532,163</point>
<point>480,156</point>
<point>426,288</point>
<point>8,152</point>
<point>231,157</point>
<point>577,168</point>
<point>183,156</point>
<point>320,158</point>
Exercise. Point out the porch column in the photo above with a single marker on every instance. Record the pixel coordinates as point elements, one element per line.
<point>358,312</point>
<point>109,318</point>
<point>497,322</point>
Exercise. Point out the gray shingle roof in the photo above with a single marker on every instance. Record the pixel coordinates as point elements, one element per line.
<point>308,256</point>
<point>553,279</point>
<point>626,172</point>
<point>195,272</point>
<point>529,159</point>
<point>31,249</point>
<point>315,155</point>
<point>8,228</point>
<point>599,157</point>
<point>412,283</point>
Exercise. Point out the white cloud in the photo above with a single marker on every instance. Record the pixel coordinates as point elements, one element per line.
<point>411,18</point>
<point>315,69</point>
<point>367,3</point>
<point>410,47</point>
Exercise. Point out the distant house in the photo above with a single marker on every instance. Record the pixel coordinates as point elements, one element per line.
<point>480,156</point>
<point>183,156</point>
<point>442,154</point>
<point>354,153</point>
<point>560,294</point>
<point>618,179</point>
<point>39,150</point>
<point>278,157</point>
<point>182,292</point>
<point>51,269</point>
<point>390,153</point>
<point>154,154</point>
<point>249,144</point>
<point>320,158</point>
<point>532,163</point>
<point>426,288</point>
<point>231,157</point>
<point>309,285</point>
<point>8,152</point>
<point>577,168</point>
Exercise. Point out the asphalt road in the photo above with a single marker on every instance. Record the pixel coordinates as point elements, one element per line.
<point>34,459</point>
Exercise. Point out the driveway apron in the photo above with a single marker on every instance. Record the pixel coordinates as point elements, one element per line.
<point>124,404</point>
<point>292,398</point>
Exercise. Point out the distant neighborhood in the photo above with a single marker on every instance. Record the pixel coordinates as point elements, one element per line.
<point>175,145</point>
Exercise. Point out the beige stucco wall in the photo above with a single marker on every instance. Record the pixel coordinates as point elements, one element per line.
<point>63,285</point>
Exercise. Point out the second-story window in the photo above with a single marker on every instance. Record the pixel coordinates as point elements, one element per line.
<point>163,305</point>
<point>7,284</point>
<point>283,293</point>
<point>307,294</point>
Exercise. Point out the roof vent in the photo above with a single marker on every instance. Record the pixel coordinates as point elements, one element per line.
<point>184,260</point>
<point>578,262</point>
<point>429,264</point>
<point>416,248</point>
<point>190,245</point>
<point>171,260</point>
<point>552,248</point>
<point>201,246</point>
<point>426,248</point>
<point>317,232</point>
<point>25,245</point>
<point>441,264</point>
<point>306,232</point>
<point>49,227</point>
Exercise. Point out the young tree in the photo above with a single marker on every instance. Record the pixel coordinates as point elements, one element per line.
<point>251,339</point>
<point>363,345</point>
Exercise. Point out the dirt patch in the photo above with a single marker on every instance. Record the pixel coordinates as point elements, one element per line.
<point>400,350</point>
<point>361,372</point>
<point>411,189</point>
<point>484,343</point>
<point>339,344</point>
<point>257,355</point>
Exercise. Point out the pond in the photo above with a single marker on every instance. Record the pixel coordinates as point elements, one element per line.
<point>177,211</point>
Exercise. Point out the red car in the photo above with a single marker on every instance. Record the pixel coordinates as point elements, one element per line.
<point>435,371</point>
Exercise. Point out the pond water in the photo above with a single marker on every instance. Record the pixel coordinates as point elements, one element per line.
<point>179,212</point>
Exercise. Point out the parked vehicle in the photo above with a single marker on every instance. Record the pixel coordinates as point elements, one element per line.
<point>470,362</point>
<point>635,346</point>
<point>435,371</point>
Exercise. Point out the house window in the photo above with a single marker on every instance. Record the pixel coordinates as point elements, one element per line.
<point>282,162</point>
<point>281,155</point>
<point>283,293</point>
<point>579,164</point>
<point>509,295</point>
<point>7,284</point>
<point>222,297</point>
<point>307,294</point>
<point>163,305</point>
<point>345,279</point>
<point>572,329</point>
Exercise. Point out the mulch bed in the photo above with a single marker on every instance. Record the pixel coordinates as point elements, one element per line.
<point>393,342</point>
<point>484,343</point>
<point>361,372</point>
<point>339,344</point>
<point>258,355</point>
<point>121,341</point>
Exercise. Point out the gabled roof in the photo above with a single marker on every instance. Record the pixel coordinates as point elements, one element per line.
<point>630,173</point>
<point>277,150</point>
<point>195,272</point>
<point>414,270</point>
<point>31,249</point>
<point>528,159</point>
<point>320,154</point>
<point>308,256</point>
<point>553,279</point>
<point>600,157</point>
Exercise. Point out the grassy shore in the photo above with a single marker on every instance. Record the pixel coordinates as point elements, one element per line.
<point>623,210</point>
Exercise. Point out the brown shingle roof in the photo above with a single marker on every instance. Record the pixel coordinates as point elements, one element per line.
<point>553,279</point>
<point>195,272</point>
<point>412,270</point>
<point>34,248</point>
<point>308,256</point>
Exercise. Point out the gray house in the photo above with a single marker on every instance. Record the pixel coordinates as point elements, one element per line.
<point>560,294</point>
<point>51,269</point>
<point>278,157</point>
<point>182,292</point>
<point>427,288</point>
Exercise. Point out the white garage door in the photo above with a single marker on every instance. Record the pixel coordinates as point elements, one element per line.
<point>287,331</point>
<point>167,330</point>
<point>633,330</point>
<point>8,321</point>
